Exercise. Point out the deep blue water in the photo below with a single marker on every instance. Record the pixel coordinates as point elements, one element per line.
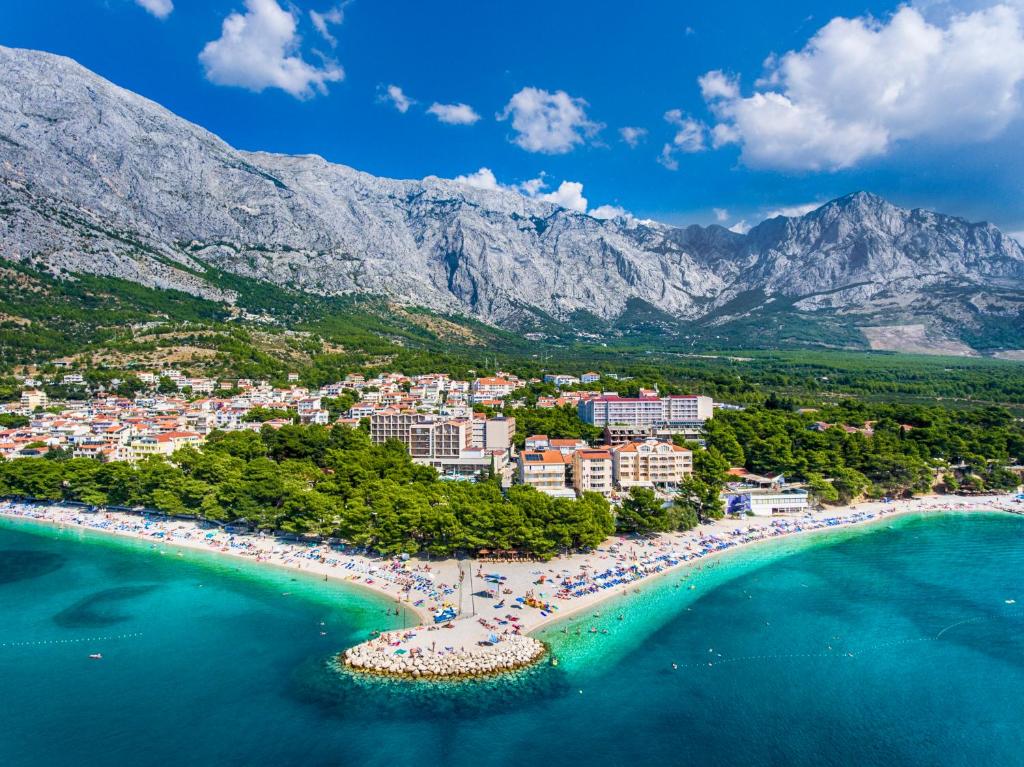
<point>889,646</point>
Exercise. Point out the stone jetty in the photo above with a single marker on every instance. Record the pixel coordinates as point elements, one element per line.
<point>377,657</point>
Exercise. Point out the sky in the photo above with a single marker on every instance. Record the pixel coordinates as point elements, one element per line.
<point>684,112</point>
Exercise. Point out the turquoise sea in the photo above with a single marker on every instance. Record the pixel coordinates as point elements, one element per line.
<point>894,645</point>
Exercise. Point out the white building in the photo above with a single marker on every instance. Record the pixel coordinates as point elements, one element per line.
<point>673,410</point>
<point>544,470</point>
<point>765,503</point>
<point>593,471</point>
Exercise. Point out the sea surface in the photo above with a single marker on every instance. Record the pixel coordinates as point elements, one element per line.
<point>898,644</point>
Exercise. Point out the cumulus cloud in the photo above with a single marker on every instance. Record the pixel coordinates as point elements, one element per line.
<point>721,214</point>
<point>259,49</point>
<point>454,114</point>
<point>689,138</point>
<point>323,22</point>
<point>793,211</point>
<point>159,8</point>
<point>481,179</point>
<point>740,227</point>
<point>569,194</point>
<point>609,211</point>
<point>552,123</point>
<point>396,97</point>
<point>861,85</point>
<point>717,85</point>
<point>632,135</point>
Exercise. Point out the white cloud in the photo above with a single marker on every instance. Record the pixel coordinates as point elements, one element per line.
<point>533,186</point>
<point>396,97</point>
<point>482,179</point>
<point>159,8</point>
<point>568,195</point>
<point>323,22</point>
<point>861,85</point>
<point>632,135</point>
<point>793,211</point>
<point>1018,236</point>
<point>689,138</point>
<point>553,123</point>
<point>740,227</point>
<point>721,214</point>
<point>717,85</point>
<point>259,50</point>
<point>609,211</point>
<point>668,158</point>
<point>454,114</point>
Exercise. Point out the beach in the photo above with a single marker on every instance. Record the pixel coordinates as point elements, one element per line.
<point>496,606</point>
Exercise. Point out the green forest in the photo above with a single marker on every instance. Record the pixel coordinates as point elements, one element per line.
<point>328,482</point>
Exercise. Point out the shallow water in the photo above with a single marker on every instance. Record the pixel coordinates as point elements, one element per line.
<point>889,646</point>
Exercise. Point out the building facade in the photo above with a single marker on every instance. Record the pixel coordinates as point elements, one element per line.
<point>650,463</point>
<point>592,471</point>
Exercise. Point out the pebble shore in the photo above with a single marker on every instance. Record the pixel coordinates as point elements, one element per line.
<point>376,657</point>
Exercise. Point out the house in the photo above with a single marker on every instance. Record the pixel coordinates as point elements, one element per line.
<point>536,442</point>
<point>589,378</point>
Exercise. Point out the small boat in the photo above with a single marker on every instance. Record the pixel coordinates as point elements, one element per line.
<point>95,656</point>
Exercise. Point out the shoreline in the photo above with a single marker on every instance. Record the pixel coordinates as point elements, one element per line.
<point>496,635</point>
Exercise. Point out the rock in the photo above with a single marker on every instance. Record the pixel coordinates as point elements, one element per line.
<point>96,179</point>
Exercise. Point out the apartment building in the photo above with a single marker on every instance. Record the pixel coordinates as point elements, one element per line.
<point>632,411</point>
<point>493,433</point>
<point>439,438</point>
<point>491,388</point>
<point>32,399</point>
<point>544,470</point>
<point>140,448</point>
<point>683,409</point>
<point>646,411</point>
<point>650,463</point>
<point>393,424</point>
<point>593,471</point>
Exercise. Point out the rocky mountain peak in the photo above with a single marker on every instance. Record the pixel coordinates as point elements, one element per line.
<point>94,178</point>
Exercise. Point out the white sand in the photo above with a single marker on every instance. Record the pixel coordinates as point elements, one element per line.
<point>426,586</point>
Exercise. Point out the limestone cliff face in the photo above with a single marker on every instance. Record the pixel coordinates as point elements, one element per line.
<point>94,178</point>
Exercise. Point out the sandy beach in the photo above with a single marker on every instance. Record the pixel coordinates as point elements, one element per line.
<point>494,602</point>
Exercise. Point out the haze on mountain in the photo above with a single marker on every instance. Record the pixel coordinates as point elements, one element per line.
<point>96,179</point>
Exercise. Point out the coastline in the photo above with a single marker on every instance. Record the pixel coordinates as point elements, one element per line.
<point>494,634</point>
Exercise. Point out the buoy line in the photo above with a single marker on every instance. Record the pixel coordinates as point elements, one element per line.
<point>78,640</point>
<point>720,661</point>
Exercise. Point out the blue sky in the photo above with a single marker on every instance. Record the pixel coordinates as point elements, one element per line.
<point>732,110</point>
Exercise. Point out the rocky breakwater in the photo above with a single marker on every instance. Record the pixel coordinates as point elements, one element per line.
<point>377,657</point>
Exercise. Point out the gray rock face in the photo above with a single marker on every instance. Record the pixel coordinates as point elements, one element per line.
<point>95,178</point>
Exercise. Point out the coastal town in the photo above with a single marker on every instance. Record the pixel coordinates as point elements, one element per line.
<point>464,429</point>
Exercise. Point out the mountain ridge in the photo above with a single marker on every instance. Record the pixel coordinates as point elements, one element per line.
<point>97,179</point>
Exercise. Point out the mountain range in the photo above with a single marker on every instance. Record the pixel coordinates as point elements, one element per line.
<point>97,179</point>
